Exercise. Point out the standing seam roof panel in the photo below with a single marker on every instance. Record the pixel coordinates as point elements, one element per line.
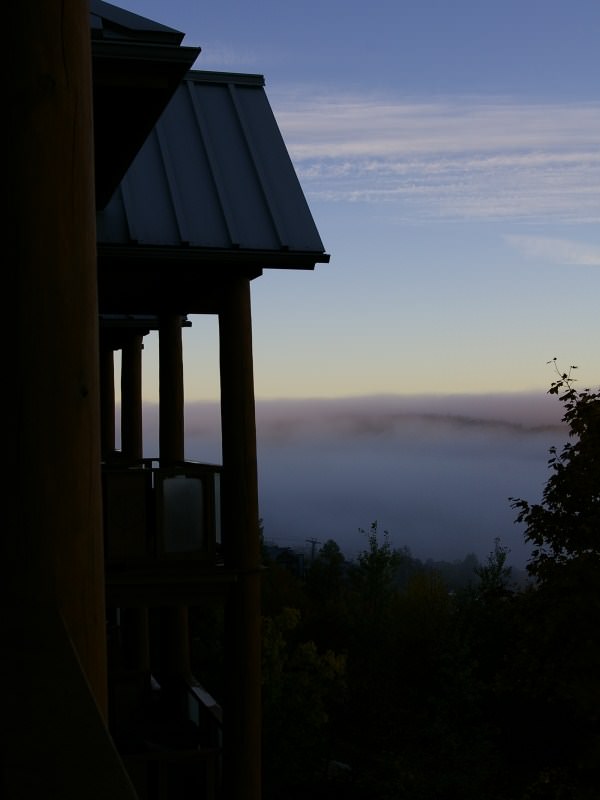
<point>146,196</point>
<point>241,184</point>
<point>245,121</point>
<point>220,203</point>
<point>214,173</point>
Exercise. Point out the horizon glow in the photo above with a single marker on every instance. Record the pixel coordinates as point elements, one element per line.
<point>449,154</point>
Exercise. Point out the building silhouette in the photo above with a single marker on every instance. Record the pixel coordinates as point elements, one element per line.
<point>139,193</point>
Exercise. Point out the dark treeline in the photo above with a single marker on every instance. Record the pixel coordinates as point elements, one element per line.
<point>389,678</point>
<point>381,682</point>
<point>457,575</point>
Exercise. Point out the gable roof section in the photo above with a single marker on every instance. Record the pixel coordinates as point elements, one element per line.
<point>214,183</point>
<point>112,23</point>
<point>137,66</point>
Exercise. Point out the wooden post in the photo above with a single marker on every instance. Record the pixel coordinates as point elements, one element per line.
<point>55,527</point>
<point>134,621</point>
<point>53,628</point>
<point>170,347</point>
<point>107,401</point>
<point>131,399</point>
<point>241,541</point>
<point>175,647</point>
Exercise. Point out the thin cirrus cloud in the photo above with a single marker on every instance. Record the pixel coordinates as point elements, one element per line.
<point>222,55</point>
<point>558,251</point>
<point>463,158</point>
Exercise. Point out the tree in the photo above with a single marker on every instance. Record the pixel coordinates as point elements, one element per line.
<point>327,618</point>
<point>375,572</point>
<point>494,575</point>
<point>300,684</point>
<point>558,662</point>
<point>565,527</point>
<point>327,570</point>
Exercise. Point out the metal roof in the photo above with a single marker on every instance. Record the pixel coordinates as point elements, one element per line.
<point>113,23</point>
<point>213,181</point>
<point>137,66</point>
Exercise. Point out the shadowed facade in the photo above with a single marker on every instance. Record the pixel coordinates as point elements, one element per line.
<point>142,193</point>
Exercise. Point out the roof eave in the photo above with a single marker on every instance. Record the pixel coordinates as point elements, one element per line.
<point>235,257</point>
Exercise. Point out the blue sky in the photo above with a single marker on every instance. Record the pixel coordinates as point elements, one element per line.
<point>450,155</point>
<point>449,152</point>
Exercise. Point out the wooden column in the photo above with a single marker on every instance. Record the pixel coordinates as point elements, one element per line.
<point>134,621</point>
<point>54,435</point>
<point>171,435</point>
<point>175,647</point>
<point>53,667</point>
<point>107,401</point>
<point>132,443</point>
<point>241,541</point>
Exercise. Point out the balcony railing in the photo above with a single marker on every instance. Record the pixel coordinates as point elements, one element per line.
<point>155,514</point>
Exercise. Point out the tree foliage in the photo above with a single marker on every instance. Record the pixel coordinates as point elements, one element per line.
<point>564,528</point>
<point>375,572</point>
<point>300,683</point>
<point>494,576</point>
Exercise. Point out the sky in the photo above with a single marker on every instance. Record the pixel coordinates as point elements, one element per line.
<point>449,152</point>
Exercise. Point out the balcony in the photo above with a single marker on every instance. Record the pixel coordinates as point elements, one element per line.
<point>162,532</point>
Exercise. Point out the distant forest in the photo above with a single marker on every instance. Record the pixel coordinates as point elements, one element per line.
<point>387,677</point>
<point>457,575</point>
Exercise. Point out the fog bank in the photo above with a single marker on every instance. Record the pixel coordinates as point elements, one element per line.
<point>435,471</point>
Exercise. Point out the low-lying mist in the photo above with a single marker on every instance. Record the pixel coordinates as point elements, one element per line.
<point>436,472</point>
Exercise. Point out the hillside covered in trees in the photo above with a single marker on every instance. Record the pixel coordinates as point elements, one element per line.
<point>389,678</point>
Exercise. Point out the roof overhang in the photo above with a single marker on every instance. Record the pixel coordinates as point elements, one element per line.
<point>116,330</point>
<point>212,193</point>
<point>137,66</point>
<point>164,284</point>
<point>137,279</point>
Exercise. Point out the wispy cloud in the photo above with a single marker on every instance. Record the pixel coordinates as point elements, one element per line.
<point>461,157</point>
<point>227,56</point>
<point>558,251</point>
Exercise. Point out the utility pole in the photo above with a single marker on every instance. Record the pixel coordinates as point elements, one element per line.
<point>313,543</point>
